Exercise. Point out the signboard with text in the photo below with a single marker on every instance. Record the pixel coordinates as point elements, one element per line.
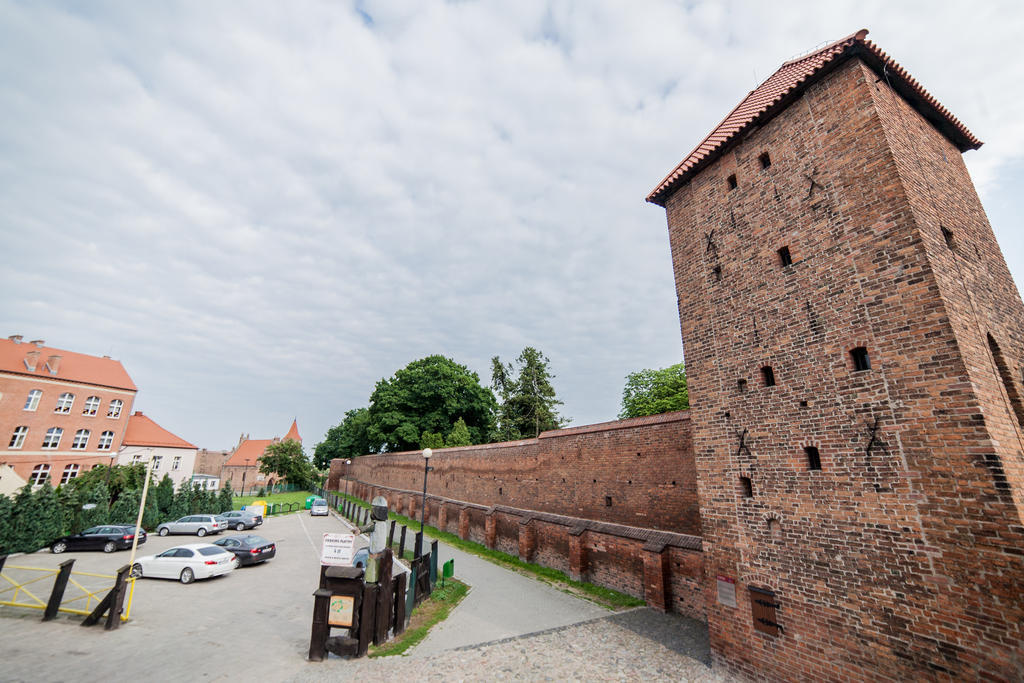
<point>337,549</point>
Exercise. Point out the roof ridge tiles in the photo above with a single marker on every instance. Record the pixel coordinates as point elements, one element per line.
<point>788,81</point>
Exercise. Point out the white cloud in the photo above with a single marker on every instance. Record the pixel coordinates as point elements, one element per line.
<point>263,209</point>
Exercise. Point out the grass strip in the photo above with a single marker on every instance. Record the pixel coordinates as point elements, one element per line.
<point>281,498</point>
<point>431,611</point>
<point>606,597</point>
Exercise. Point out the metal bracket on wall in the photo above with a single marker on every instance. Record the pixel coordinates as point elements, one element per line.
<point>814,183</point>
<point>743,443</point>
<point>873,440</point>
<point>710,246</point>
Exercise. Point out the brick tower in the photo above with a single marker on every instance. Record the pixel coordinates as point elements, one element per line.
<point>854,345</point>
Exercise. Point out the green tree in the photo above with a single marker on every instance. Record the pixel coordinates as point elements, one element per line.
<point>348,439</point>
<point>652,392</point>
<point>428,395</point>
<point>226,498</point>
<point>528,402</point>
<point>96,500</point>
<point>23,522</point>
<point>6,518</point>
<point>126,509</point>
<point>50,524</point>
<point>163,494</point>
<point>459,436</point>
<point>431,440</point>
<point>287,460</point>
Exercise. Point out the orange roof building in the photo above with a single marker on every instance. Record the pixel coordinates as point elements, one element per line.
<point>242,469</point>
<point>171,454</point>
<point>62,412</point>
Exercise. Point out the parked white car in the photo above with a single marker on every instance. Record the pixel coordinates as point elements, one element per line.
<point>186,563</point>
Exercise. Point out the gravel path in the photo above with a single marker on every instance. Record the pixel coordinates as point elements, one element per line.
<point>637,645</point>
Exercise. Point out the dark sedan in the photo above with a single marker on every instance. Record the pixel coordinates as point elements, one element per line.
<point>248,549</point>
<point>106,538</point>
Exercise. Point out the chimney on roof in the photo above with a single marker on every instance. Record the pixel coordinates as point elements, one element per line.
<point>138,412</point>
<point>53,364</point>
<point>38,342</point>
<point>32,360</point>
<point>16,338</point>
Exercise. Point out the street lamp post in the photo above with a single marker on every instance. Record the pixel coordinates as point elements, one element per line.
<point>347,477</point>
<point>423,508</point>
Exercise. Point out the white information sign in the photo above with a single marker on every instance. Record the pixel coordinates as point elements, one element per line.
<point>337,549</point>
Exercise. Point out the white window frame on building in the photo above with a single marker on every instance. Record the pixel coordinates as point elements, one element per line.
<point>106,441</point>
<point>176,463</point>
<point>18,437</point>
<point>156,461</point>
<point>64,403</point>
<point>81,440</point>
<point>52,438</point>
<point>39,474</point>
<point>70,472</point>
<point>92,406</point>
<point>136,458</point>
<point>32,402</point>
<point>114,411</point>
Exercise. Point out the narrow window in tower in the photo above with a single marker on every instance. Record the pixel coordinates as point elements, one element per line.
<point>860,358</point>
<point>784,257</point>
<point>765,160</point>
<point>813,458</point>
<point>718,273</point>
<point>741,385</point>
<point>732,182</point>
<point>768,375</point>
<point>763,608</point>
<point>607,501</point>
<point>499,491</point>
<point>746,487</point>
<point>947,235</point>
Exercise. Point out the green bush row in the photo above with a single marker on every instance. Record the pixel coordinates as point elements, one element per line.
<point>35,518</point>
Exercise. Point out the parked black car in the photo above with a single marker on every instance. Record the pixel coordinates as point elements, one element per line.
<point>107,538</point>
<point>249,549</point>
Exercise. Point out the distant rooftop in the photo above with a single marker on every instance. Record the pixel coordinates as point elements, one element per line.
<point>33,359</point>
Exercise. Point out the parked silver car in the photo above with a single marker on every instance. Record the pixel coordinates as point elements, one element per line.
<point>200,525</point>
<point>241,519</point>
<point>318,507</point>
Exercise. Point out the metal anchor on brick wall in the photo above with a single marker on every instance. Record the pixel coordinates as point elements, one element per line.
<point>814,183</point>
<point>711,243</point>
<point>743,443</point>
<point>873,440</point>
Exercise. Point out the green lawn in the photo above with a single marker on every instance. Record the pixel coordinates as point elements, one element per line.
<point>289,497</point>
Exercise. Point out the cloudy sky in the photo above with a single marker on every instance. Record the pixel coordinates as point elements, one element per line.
<point>262,208</point>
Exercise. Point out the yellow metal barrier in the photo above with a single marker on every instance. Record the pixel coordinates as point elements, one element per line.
<point>92,597</point>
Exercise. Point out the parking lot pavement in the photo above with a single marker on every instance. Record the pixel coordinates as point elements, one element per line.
<point>254,622</point>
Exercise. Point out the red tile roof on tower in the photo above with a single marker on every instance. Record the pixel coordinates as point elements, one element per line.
<point>293,433</point>
<point>789,82</point>
<point>142,431</point>
<point>34,360</point>
<point>251,450</point>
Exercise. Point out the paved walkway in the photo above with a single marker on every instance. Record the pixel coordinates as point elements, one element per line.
<point>500,604</point>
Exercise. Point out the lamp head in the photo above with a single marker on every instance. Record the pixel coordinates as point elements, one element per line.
<point>427,453</point>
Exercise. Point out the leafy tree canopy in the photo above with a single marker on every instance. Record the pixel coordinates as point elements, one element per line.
<point>527,397</point>
<point>651,392</point>
<point>286,459</point>
<point>459,436</point>
<point>348,439</point>
<point>428,395</point>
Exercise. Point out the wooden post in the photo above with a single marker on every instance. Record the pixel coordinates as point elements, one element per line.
<point>419,544</point>
<point>318,635</point>
<point>399,582</point>
<point>382,618</point>
<point>366,618</point>
<point>57,593</point>
<point>433,565</point>
<point>401,543</point>
<point>391,533</point>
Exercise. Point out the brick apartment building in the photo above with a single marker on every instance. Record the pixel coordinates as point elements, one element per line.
<point>62,412</point>
<point>171,454</point>
<point>854,346</point>
<point>242,469</point>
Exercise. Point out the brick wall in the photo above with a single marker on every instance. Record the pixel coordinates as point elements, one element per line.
<point>637,472</point>
<point>892,560</point>
<point>586,500</point>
